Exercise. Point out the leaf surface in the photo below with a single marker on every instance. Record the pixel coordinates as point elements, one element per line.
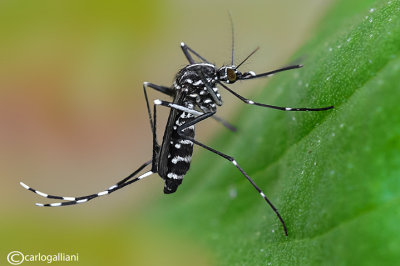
<point>334,175</point>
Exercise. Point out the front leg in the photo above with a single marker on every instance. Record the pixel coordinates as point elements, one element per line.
<point>247,101</point>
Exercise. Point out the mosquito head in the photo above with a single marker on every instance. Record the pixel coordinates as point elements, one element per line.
<point>230,74</point>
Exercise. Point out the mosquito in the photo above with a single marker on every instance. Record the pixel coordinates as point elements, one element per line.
<point>195,97</point>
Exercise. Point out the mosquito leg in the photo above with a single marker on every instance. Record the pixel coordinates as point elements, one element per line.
<point>225,123</point>
<point>178,107</point>
<point>153,124</point>
<point>156,147</point>
<point>216,97</point>
<point>252,75</point>
<point>272,106</point>
<point>134,173</point>
<point>76,200</point>
<point>165,90</point>
<point>186,49</point>
<point>162,89</point>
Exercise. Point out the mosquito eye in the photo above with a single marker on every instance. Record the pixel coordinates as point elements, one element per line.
<point>231,75</point>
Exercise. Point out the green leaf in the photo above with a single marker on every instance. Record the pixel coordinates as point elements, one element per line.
<point>334,175</point>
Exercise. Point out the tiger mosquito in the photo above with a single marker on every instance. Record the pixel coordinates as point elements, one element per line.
<point>195,97</point>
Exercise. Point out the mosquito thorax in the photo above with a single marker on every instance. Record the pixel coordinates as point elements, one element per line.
<point>189,75</point>
<point>199,83</point>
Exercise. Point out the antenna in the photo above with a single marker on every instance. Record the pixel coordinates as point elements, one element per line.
<point>233,36</point>
<point>255,50</point>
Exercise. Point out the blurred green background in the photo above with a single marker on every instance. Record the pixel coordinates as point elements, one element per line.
<point>73,118</point>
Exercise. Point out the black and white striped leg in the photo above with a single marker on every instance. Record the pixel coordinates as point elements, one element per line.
<point>272,106</point>
<point>126,179</point>
<point>82,199</point>
<point>177,106</point>
<point>200,118</point>
<point>186,49</point>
